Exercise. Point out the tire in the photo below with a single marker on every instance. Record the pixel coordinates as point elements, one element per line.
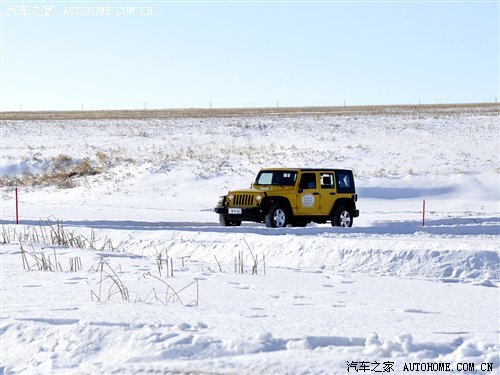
<point>225,222</point>
<point>276,217</point>
<point>343,217</point>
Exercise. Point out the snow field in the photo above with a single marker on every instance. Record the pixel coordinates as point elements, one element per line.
<point>388,289</point>
<point>239,320</point>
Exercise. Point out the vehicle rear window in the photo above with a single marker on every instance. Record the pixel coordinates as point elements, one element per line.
<point>345,183</point>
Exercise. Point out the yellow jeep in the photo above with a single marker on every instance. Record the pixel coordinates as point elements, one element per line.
<point>292,196</point>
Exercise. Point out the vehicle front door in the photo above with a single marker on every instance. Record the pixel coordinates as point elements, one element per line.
<point>308,194</point>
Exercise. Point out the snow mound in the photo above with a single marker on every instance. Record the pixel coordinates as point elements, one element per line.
<point>86,345</point>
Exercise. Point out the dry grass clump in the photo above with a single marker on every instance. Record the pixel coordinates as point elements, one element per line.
<point>42,262</point>
<point>54,233</point>
<point>62,172</point>
<point>111,158</point>
<point>116,285</point>
<point>53,237</point>
<point>65,170</point>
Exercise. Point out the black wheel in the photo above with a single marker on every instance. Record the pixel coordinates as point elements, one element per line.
<point>225,222</point>
<point>276,217</point>
<point>342,217</point>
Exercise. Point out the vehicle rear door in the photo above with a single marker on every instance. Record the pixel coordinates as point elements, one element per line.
<point>327,192</point>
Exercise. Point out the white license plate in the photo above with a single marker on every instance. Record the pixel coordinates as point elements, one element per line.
<point>234,211</point>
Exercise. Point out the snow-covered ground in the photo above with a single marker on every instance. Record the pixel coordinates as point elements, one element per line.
<point>388,289</point>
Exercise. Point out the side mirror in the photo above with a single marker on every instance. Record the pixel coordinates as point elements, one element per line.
<point>251,185</point>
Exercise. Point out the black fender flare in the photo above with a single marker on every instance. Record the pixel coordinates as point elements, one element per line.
<point>342,202</point>
<point>268,201</point>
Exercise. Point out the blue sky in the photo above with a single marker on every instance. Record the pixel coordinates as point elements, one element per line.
<point>188,54</point>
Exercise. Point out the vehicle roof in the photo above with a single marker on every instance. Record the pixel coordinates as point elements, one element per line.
<point>307,169</point>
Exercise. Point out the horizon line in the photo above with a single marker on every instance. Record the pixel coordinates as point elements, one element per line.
<point>225,112</point>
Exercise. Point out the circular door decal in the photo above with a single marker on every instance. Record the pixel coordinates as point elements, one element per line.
<point>308,200</point>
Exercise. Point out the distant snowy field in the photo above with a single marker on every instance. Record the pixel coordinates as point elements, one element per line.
<point>388,289</point>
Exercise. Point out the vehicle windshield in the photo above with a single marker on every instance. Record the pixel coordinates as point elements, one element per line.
<point>280,178</point>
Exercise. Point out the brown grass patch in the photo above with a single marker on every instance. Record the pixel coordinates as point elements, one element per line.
<point>62,173</point>
<point>367,110</point>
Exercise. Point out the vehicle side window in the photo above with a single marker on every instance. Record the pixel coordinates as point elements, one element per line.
<point>308,181</point>
<point>327,181</point>
<point>344,183</point>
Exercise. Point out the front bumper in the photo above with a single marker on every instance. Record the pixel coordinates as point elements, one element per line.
<point>247,214</point>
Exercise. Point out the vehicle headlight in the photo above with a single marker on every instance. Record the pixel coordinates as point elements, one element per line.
<point>220,201</point>
<point>230,197</point>
<point>258,197</point>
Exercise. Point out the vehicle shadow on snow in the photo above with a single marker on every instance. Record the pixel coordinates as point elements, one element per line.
<point>449,226</point>
<point>402,193</point>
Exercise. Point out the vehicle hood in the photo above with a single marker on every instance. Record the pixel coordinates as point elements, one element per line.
<point>262,189</point>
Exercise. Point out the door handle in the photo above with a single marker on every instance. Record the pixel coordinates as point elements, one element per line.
<point>316,193</point>
<point>332,193</point>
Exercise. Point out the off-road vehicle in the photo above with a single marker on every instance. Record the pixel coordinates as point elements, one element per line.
<point>292,196</point>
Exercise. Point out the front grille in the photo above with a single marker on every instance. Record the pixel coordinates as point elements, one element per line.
<point>243,200</point>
